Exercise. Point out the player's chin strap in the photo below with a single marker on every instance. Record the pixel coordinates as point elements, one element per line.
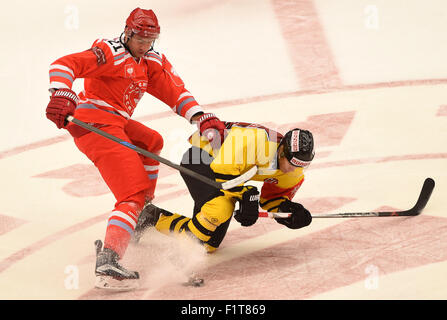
<point>124,43</point>
<point>218,185</point>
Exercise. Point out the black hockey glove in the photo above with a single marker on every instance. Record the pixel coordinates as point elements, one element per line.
<point>248,211</point>
<point>300,216</point>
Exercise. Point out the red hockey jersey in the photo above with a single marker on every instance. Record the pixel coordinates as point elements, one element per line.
<point>114,82</point>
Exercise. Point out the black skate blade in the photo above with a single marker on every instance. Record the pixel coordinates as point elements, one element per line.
<point>98,246</point>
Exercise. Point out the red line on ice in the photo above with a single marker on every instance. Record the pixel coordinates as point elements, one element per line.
<point>309,50</point>
<point>231,103</point>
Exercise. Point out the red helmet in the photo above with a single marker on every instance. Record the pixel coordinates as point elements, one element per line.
<point>143,23</point>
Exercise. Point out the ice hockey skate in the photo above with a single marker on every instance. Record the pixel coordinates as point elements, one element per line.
<point>110,274</point>
<point>147,218</point>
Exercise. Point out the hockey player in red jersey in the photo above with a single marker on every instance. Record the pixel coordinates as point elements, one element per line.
<point>116,75</point>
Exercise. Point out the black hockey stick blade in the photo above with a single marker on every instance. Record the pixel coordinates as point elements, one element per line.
<point>424,196</point>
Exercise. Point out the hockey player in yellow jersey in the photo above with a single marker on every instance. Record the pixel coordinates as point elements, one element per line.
<point>281,161</point>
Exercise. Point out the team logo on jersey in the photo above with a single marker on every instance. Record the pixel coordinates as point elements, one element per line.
<point>132,95</point>
<point>271,180</point>
<point>129,71</point>
<point>100,55</point>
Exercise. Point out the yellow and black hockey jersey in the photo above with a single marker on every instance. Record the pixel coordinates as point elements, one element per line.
<point>245,146</point>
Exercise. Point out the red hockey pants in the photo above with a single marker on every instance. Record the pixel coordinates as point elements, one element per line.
<point>131,177</point>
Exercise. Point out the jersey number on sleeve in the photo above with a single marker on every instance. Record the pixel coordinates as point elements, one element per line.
<point>116,45</point>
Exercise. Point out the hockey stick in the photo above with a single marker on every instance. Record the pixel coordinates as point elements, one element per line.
<point>424,196</point>
<point>218,185</point>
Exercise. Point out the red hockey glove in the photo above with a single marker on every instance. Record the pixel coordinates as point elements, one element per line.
<point>212,128</point>
<point>62,104</point>
<point>300,216</point>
